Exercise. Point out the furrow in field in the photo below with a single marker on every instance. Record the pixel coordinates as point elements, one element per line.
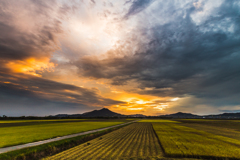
<point>132,146</point>
<point>68,153</point>
<point>157,147</point>
<point>108,146</point>
<point>123,133</point>
<point>139,151</point>
<point>125,149</point>
<point>92,148</point>
<point>128,152</point>
<point>148,151</point>
<point>134,150</point>
<point>152,144</point>
<point>133,141</point>
<point>118,147</point>
<point>97,149</point>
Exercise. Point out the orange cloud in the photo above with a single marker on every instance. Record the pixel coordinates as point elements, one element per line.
<point>31,66</point>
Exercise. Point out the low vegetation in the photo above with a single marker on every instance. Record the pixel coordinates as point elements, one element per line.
<point>38,152</point>
<point>182,141</point>
<point>147,139</point>
<point>26,132</point>
<point>227,128</point>
<point>136,140</point>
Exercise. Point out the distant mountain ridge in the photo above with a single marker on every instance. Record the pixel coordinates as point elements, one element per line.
<point>181,115</point>
<point>217,116</point>
<point>104,112</point>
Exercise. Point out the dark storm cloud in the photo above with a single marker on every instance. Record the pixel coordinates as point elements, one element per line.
<point>20,85</point>
<point>21,102</point>
<point>181,56</point>
<point>137,6</point>
<point>19,46</point>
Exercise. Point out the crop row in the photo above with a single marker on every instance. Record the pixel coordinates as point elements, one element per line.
<point>14,135</point>
<point>135,140</point>
<point>181,141</point>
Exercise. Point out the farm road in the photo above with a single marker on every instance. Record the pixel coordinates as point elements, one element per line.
<point>17,147</point>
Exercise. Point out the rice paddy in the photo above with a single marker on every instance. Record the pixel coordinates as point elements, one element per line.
<point>182,141</point>
<point>25,132</point>
<point>137,140</point>
<point>151,139</point>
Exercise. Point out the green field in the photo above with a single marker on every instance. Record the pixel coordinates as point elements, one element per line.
<point>134,141</point>
<point>20,132</point>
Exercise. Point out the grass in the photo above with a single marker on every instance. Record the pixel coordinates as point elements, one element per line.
<point>182,141</point>
<point>38,152</point>
<point>14,135</point>
<point>135,141</point>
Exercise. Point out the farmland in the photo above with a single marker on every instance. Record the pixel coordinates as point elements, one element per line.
<point>178,140</point>
<point>133,141</point>
<point>145,139</point>
<point>20,132</point>
<point>227,128</point>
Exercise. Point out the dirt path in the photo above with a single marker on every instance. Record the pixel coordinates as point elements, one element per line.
<point>13,148</point>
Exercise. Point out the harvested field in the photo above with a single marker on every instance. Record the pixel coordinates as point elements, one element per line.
<point>227,128</point>
<point>182,141</point>
<point>137,140</point>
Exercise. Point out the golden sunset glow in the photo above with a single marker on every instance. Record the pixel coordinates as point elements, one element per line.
<point>31,66</point>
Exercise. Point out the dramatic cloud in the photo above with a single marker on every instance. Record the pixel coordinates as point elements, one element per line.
<point>29,33</point>
<point>28,88</point>
<point>191,49</point>
<point>182,55</point>
<point>137,6</point>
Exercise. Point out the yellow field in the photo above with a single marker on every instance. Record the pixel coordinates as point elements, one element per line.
<point>181,141</point>
<point>134,141</point>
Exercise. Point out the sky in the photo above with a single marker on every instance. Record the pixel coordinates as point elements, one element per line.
<point>150,57</point>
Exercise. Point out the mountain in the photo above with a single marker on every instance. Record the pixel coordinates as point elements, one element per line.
<point>225,116</point>
<point>102,113</point>
<point>181,115</point>
<point>189,115</point>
